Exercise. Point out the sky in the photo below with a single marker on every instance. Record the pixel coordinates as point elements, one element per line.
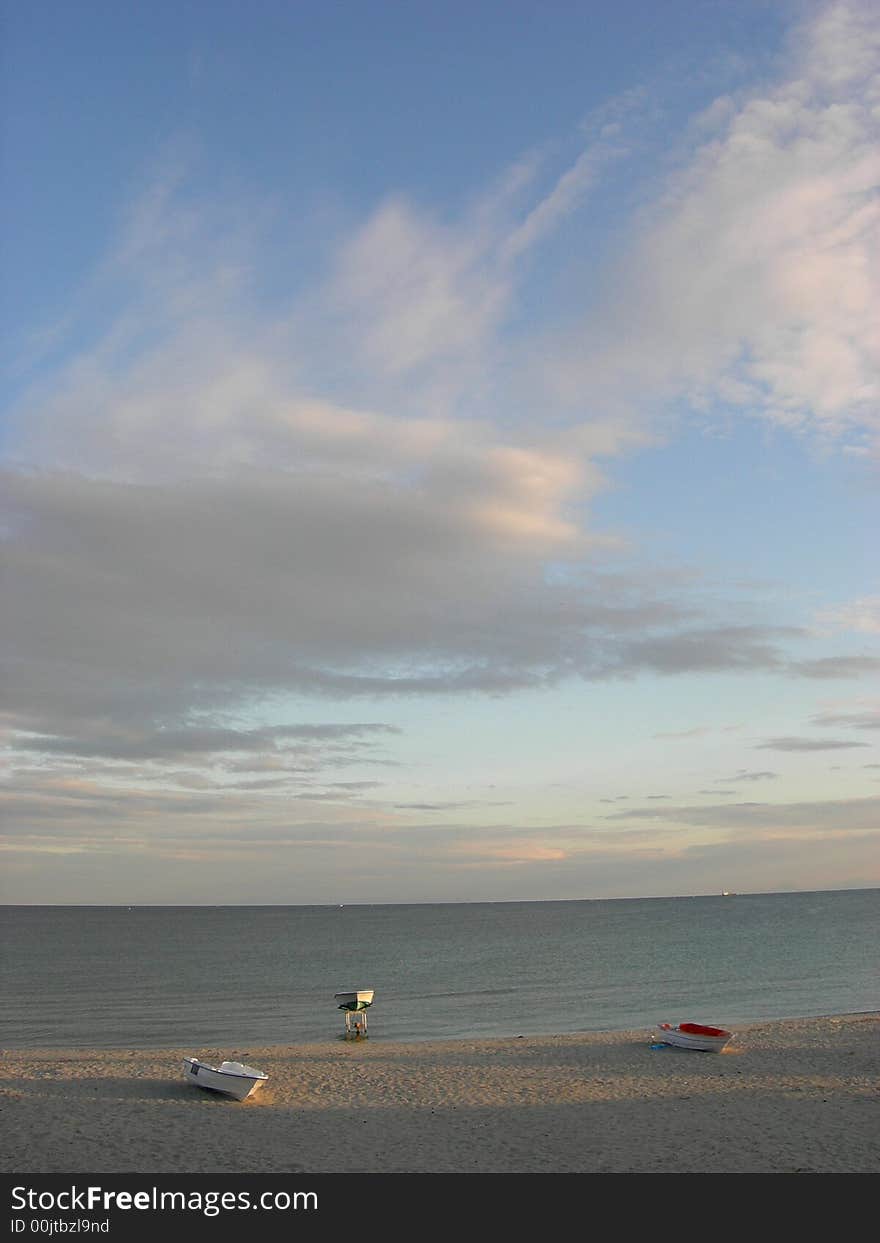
<point>440,450</point>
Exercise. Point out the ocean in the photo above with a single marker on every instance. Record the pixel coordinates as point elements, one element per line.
<point>232,976</point>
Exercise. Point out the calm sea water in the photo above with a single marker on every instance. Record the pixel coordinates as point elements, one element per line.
<point>202,977</point>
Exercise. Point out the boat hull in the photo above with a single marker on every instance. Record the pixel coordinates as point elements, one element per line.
<point>356,999</point>
<point>694,1036</point>
<point>229,1078</point>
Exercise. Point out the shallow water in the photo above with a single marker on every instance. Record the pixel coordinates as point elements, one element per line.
<point>164,977</point>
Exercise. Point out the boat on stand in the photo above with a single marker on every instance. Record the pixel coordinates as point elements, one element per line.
<point>355,1003</point>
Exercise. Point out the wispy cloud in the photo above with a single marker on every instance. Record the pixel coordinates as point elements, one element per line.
<point>190,741</point>
<point>743,775</point>
<point>869,719</point>
<point>859,615</point>
<point>826,815</point>
<point>838,667</point>
<point>753,282</point>
<point>807,744</point>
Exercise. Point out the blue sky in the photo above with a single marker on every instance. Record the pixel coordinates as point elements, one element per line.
<point>439,450</point>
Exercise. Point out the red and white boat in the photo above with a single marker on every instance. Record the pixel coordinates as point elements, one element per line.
<point>694,1036</point>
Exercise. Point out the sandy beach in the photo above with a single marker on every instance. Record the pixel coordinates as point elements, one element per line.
<point>784,1097</point>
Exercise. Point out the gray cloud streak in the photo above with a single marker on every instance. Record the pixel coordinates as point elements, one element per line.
<point>191,741</point>
<point>807,744</point>
<point>828,815</point>
<point>858,720</point>
<point>742,775</point>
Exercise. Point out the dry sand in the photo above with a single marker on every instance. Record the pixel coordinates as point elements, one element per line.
<point>784,1097</point>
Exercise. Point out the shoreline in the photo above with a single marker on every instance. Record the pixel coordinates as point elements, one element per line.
<point>379,1034</point>
<point>790,1095</point>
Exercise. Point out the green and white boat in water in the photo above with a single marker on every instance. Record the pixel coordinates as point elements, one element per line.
<point>357,999</point>
<point>354,1003</point>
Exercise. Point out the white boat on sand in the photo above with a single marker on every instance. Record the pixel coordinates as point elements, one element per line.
<point>697,1036</point>
<point>231,1078</point>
